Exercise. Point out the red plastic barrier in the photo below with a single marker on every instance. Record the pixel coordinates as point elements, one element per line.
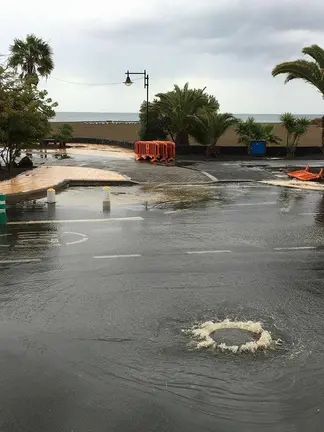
<point>163,151</point>
<point>171,150</point>
<point>306,175</point>
<point>147,150</point>
<point>167,151</point>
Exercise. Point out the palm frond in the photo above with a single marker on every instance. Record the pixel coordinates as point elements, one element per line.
<point>317,53</point>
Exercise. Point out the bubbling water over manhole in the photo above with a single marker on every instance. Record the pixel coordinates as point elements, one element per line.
<point>231,336</point>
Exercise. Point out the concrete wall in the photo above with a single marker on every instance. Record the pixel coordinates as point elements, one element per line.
<point>128,132</point>
<point>113,131</point>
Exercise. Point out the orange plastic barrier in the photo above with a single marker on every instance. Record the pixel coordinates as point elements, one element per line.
<point>162,151</point>
<point>306,175</point>
<point>171,150</point>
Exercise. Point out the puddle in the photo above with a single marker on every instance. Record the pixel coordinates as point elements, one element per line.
<point>183,197</point>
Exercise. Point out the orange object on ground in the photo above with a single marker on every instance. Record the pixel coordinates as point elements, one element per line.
<point>306,175</point>
<point>146,150</point>
<point>163,151</point>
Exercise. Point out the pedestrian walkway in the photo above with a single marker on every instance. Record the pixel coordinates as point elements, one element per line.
<point>42,178</point>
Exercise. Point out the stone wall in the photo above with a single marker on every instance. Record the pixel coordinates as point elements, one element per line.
<point>128,132</point>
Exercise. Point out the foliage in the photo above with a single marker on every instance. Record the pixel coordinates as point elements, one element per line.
<point>312,72</point>
<point>182,111</point>
<point>24,115</point>
<point>63,134</point>
<point>295,127</point>
<point>156,130</point>
<point>33,57</point>
<point>249,130</point>
<point>213,126</point>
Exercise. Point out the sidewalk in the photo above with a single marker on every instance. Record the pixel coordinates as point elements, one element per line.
<point>34,183</point>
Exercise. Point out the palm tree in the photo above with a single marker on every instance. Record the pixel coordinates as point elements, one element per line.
<point>249,130</point>
<point>312,72</point>
<point>295,127</point>
<point>32,56</point>
<point>218,124</point>
<point>213,126</point>
<point>288,121</point>
<point>182,111</point>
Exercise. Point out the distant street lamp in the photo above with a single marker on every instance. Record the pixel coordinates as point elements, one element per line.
<point>128,82</point>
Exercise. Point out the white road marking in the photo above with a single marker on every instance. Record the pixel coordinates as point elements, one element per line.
<point>254,204</point>
<point>39,235</point>
<point>82,240</point>
<point>294,248</point>
<point>116,256</point>
<point>33,240</point>
<point>122,219</point>
<point>17,261</point>
<point>307,214</point>
<point>207,252</point>
<point>211,177</point>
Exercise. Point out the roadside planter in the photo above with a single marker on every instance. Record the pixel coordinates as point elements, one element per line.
<point>257,148</point>
<point>3,208</point>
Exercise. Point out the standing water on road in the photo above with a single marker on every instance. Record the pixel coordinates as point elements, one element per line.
<point>92,325</point>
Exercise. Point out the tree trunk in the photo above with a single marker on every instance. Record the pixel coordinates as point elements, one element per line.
<point>182,139</point>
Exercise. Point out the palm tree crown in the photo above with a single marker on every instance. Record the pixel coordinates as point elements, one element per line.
<point>33,56</point>
<point>311,72</point>
<point>182,110</point>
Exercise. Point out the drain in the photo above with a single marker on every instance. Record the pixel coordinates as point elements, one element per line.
<point>231,336</point>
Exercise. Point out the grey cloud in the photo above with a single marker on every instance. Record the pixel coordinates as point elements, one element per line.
<point>253,27</point>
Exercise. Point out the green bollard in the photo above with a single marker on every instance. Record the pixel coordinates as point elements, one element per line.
<point>3,207</point>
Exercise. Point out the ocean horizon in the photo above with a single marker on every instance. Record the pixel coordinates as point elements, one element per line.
<point>133,117</point>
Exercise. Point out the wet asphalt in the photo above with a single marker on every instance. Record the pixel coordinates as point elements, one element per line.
<point>91,326</point>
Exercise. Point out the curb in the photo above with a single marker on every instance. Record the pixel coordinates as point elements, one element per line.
<point>287,186</point>
<point>41,193</point>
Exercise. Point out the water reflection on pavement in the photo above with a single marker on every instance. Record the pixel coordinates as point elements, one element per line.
<point>91,334</point>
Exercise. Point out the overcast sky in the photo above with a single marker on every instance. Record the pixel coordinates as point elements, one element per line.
<point>230,46</point>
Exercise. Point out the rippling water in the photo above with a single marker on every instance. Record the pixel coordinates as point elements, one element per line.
<point>121,325</point>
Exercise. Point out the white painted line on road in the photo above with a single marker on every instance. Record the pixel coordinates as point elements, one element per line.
<point>116,256</point>
<point>207,252</point>
<point>254,204</point>
<point>19,261</point>
<point>82,240</point>
<point>307,214</point>
<point>122,219</point>
<point>295,248</point>
<point>35,246</point>
<point>211,177</point>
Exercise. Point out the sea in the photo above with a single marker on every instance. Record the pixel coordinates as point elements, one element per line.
<point>133,117</point>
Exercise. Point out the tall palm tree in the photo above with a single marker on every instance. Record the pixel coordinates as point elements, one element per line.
<point>182,111</point>
<point>312,72</point>
<point>32,56</point>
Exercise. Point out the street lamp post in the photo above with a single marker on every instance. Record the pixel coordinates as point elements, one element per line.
<point>128,82</point>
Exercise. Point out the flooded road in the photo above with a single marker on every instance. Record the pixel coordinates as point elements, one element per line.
<point>94,309</point>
